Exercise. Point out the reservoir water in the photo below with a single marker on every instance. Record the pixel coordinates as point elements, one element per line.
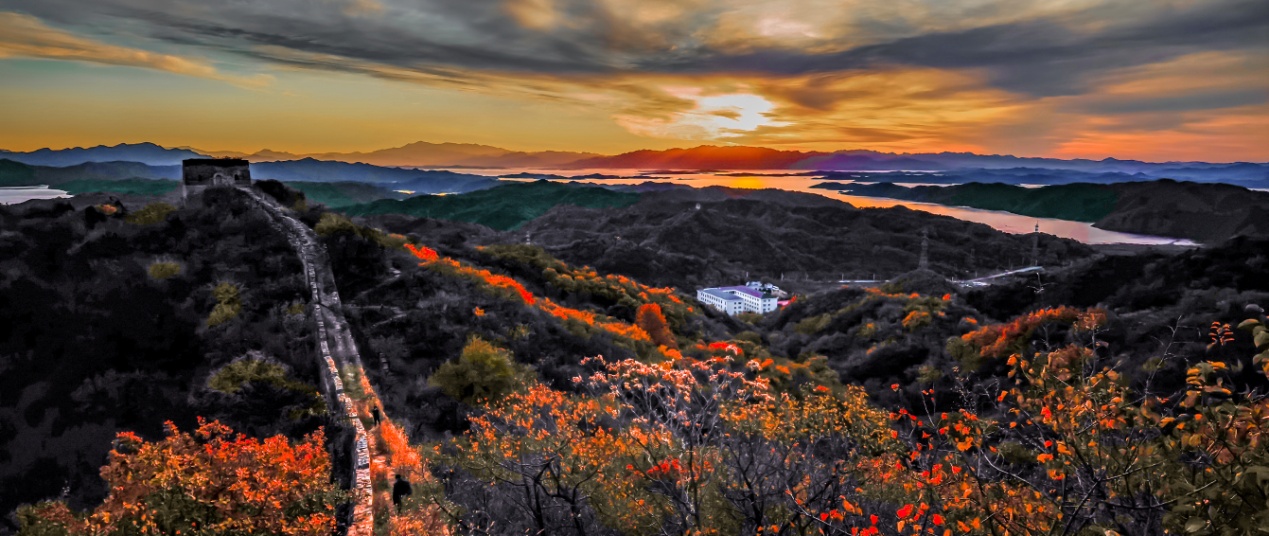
<point>10,195</point>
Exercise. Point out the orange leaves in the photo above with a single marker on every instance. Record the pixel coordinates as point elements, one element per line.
<point>725,347</point>
<point>404,459</point>
<point>502,281</point>
<point>650,319</point>
<point>669,469</point>
<point>431,258</point>
<point>230,484</point>
<point>915,319</point>
<point>1000,340</point>
<point>424,253</point>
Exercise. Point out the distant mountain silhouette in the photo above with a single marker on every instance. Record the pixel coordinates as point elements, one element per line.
<point>145,153</point>
<point>703,157</point>
<point>14,173</point>
<point>754,158</point>
<point>957,167</point>
<point>425,154</point>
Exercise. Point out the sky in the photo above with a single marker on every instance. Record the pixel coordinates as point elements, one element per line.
<point>1156,80</point>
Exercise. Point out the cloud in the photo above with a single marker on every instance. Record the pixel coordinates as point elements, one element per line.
<point>26,36</point>
<point>1028,49</point>
<point>902,75</point>
<point>1202,101</point>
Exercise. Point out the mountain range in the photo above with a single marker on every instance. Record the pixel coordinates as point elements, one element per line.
<point>458,155</point>
<point>307,170</point>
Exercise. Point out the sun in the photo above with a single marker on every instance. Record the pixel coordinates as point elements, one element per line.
<point>711,116</point>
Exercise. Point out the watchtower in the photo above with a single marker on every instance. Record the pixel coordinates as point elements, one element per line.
<point>199,173</point>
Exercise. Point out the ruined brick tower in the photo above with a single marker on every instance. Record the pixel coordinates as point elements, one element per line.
<point>199,173</point>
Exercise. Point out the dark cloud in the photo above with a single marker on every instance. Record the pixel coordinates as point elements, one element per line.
<point>1211,100</point>
<point>1064,55</point>
<point>1038,57</point>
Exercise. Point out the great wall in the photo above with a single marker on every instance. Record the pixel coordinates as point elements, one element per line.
<point>337,350</point>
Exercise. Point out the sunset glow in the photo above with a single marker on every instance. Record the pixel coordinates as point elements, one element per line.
<point>1165,80</point>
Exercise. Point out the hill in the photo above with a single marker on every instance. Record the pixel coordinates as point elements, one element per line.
<point>174,300</point>
<point>477,345</point>
<point>506,207</point>
<point>1202,212</point>
<point>140,293</point>
<point>665,240</point>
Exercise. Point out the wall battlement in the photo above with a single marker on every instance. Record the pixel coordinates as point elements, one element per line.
<point>200,173</point>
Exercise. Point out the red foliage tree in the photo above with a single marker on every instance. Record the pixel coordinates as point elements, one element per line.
<point>650,319</point>
<point>210,482</point>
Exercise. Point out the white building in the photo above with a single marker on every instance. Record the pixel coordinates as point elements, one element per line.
<point>736,300</point>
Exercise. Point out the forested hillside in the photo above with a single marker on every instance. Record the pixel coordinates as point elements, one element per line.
<point>621,408</point>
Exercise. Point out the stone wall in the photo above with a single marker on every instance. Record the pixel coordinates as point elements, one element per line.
<point>331,327</point>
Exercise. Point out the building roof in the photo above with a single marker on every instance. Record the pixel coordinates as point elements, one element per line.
<point>744,290</point>
<point>719,293</point>
<point>221,162</point>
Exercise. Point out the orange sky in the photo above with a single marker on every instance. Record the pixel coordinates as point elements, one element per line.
<point>1172,80</point>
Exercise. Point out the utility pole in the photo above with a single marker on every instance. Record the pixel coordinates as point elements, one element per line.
<point>1035,246</point>
<point>924,263</point>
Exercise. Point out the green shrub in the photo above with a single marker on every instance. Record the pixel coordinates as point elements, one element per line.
<point>333,224</point>
<point>160,270</point>
<point>151,214</point>
<point>814,324</point>
<point>222,313</point>
<point>482,372</point>
<point>230,378</point>
<point>228,304</point>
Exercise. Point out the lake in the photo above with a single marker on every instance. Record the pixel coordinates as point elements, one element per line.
<point>10,195</point>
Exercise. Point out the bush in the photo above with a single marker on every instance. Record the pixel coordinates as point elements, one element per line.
<point>151,214</point>
<point>160,270</point>
<point>333,224</point>
<point>228,304</point>
<point>230,378</point>
<point>226,484</point>
<point>814,324</point>
<point>482,372</point>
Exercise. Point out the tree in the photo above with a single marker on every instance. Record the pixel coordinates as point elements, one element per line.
<point>482,372</point>
<point>211,482</point>
<point>649,318</point>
